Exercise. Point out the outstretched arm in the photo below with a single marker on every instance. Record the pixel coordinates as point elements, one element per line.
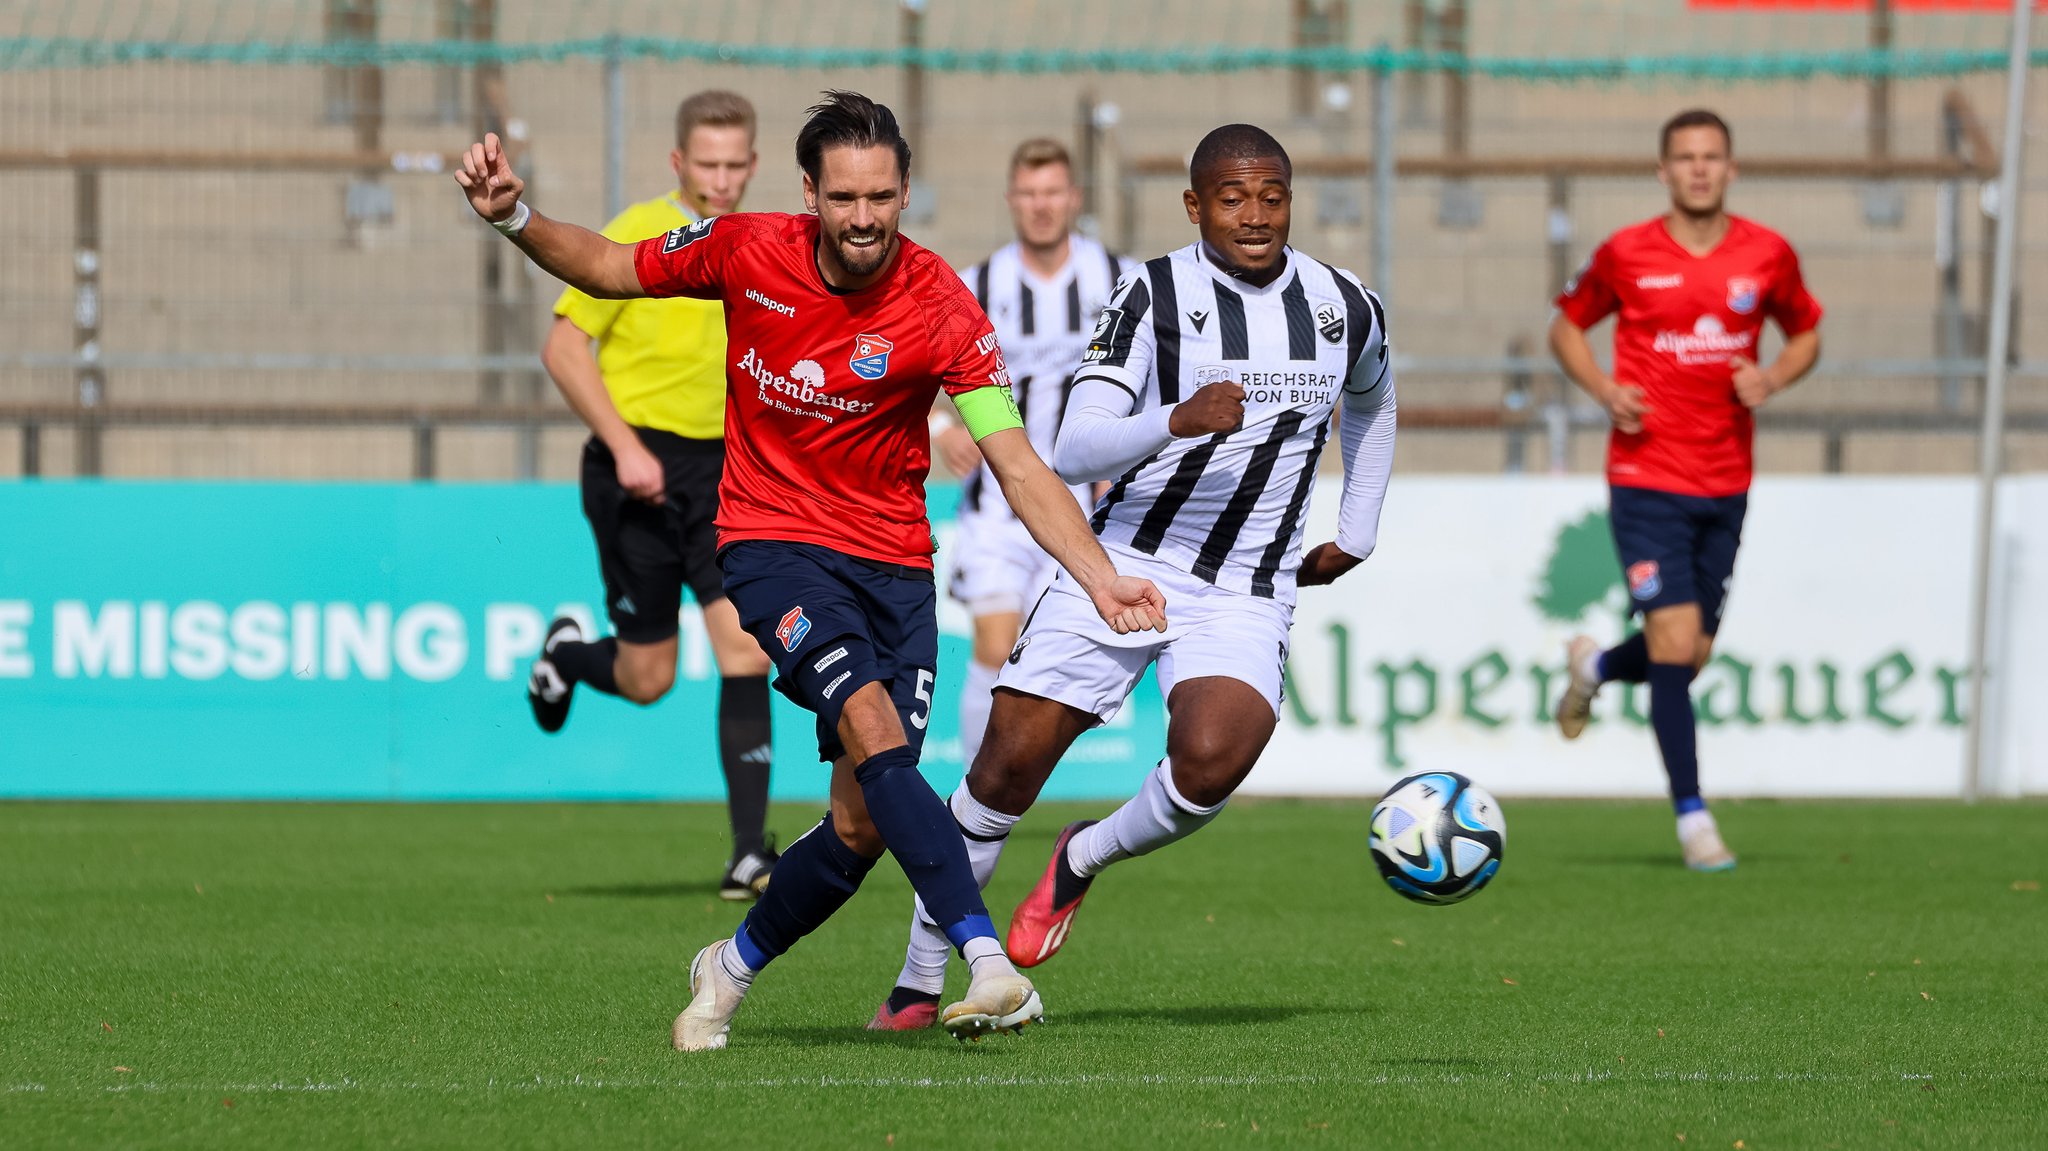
<point>1047,509</point>
<point>577,256</point>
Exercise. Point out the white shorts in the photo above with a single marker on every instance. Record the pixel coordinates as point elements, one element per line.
<point>1068,654</point>
<point>997,566</point>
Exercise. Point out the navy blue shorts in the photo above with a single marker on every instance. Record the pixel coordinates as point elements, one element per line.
<point>833,624</point>
<point>1677,549</point>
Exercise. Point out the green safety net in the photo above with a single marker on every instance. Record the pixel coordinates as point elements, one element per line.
<point>1515,39</point>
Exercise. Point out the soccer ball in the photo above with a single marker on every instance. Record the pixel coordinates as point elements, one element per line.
<point>1437,837</point>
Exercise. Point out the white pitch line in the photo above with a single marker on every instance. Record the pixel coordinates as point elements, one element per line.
<point>580,1083</point>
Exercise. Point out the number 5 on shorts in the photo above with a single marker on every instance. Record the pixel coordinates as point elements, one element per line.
<point>924,696</point>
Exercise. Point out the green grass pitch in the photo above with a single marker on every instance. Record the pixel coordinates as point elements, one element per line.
<point>1875,975</point>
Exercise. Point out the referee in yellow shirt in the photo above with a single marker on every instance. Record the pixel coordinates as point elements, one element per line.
<point>654,397</point>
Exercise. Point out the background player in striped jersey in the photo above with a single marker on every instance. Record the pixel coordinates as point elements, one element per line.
<point>1042,292</point>
<point>850,330</point>
<point>654,398</point>
<point>1207,390</point>
<point>1693,288</point>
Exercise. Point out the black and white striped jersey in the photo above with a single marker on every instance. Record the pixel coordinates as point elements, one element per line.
<point>1043,326</point>
<point>1230,507</point>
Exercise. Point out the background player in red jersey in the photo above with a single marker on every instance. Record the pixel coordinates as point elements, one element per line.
<point>1692,289</point>
<point>840,333</point>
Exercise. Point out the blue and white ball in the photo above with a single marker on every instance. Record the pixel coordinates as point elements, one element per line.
<point>1437,837</point>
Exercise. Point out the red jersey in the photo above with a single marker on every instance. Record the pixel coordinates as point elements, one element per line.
<point>1683,317</point>
<point>827,392</point>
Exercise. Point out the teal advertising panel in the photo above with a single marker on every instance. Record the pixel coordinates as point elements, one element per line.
<point>286,641</point>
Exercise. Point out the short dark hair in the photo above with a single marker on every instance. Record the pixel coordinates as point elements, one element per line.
<point>848,119</point>
<point>1234,142</point>
<point>713,108</point>
<point>1692,118</point>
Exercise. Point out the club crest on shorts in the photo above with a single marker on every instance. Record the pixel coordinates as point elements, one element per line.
<point>1643,580</point>
<point>1742,295</point>
<point>793,628</point>
<point>870,356</point>
<point>1330,322</point>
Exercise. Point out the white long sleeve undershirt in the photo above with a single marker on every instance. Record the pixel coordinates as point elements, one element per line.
<point>1100,439</point>
<point>1365,436</point>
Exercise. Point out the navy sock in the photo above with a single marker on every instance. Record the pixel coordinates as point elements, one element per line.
<point>745,751</point>
<point>817,875</point>
<point>589,663</point>
<point>919,829</point>
<point>1672,718</point>
<point>1627,661</point>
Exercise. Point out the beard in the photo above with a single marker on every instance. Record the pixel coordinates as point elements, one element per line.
<point>863,261</point>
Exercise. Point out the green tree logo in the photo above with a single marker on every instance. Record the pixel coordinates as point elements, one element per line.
<point>1582,572</point>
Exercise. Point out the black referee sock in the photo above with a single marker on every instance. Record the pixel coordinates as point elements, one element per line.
<point>746,751</point>
<point>589,663</point>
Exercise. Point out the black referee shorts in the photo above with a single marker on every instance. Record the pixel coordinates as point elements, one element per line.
<point>649,554</point>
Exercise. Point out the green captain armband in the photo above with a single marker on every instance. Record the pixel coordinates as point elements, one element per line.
<point>987,411</point>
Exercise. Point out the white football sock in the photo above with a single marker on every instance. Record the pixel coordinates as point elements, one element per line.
<point>924,967</point>
<point>976,696</point>
<point>1693,822</point>
<point>736,968</point>
<point>1148,821</point>
<point>985,957</point>
<point>1588,667</point>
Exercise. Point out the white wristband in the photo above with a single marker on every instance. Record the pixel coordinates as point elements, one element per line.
<point>515,223</point>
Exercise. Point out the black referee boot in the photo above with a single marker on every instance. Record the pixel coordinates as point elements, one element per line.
<point>546,690</point>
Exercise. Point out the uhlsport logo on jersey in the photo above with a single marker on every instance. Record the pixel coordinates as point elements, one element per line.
<point>1742,295</point>
<point>1643,580</point>
<point>870,356</point>
<point>793,628</point>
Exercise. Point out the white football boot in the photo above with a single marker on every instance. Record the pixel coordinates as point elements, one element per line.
<point>1003,1001</point>
<point>1700,839</point>
<point>1575,706</point>
<point>714,996</point>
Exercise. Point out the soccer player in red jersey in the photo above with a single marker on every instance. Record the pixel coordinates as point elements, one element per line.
<point>1692,288</point>
<point>840,333</point>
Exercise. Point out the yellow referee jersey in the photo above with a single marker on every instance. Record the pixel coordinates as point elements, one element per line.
<point>663,361</point>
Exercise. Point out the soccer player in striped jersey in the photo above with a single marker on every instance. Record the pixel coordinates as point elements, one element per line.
<point>1207,391</point>
<point>1692,289</point>
<point>1042,292</point>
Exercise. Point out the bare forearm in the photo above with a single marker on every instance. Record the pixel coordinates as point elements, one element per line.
<point>580,258</point>
<point>1575,356</point>
<point>1798,358</point>
<point>1048,511</point>
<point>570,365</point>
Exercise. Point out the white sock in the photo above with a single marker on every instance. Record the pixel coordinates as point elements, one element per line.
<point>985,957</point>
<point>736,968</point>
<point>1693,822</point>
<point>976,696</point>
<point>924,967</point>
<point>1148,821</point>
<point>1588,669</point>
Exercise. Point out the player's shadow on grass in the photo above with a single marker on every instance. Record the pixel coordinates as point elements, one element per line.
<point>1665,861</point>
<point>1210,1015</point>
<point>1220,1015</point>
<point>646,890</point>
